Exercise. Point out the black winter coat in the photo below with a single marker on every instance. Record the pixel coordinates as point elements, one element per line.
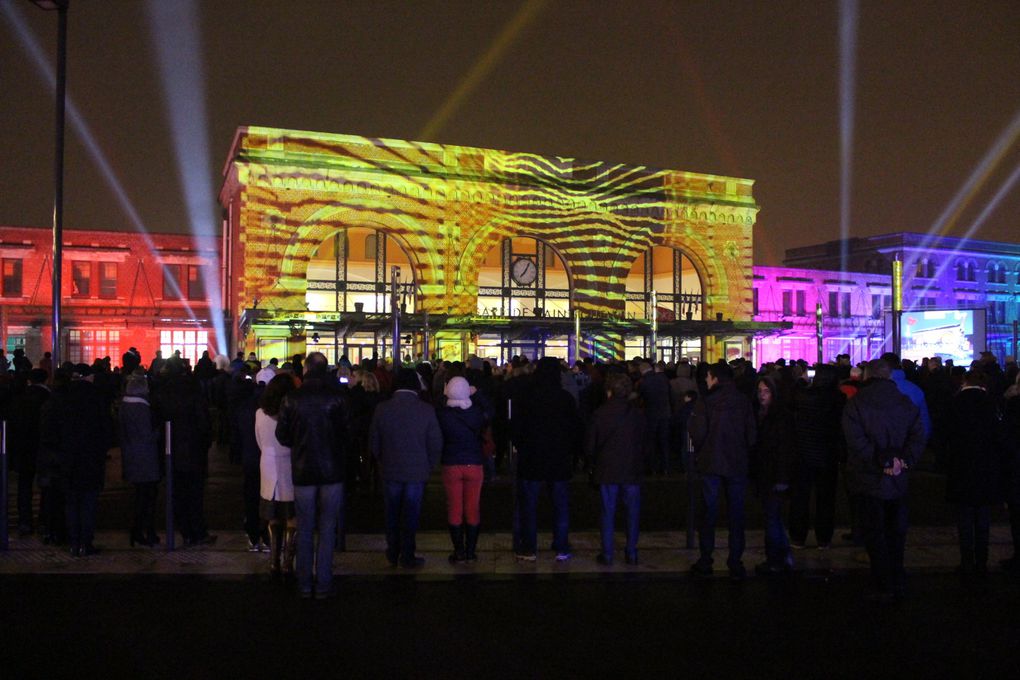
<point>313,422</point>
<point>818,412</point>
<point>615,445</point>
<point>462,434</point>
<point>139,441</point>
<point>974,440</point>
<point>880,423</point>
<point>180,401</point>
<point>547,431</point>
<point>1011,451</point>
<point>76,428</point>
<point>723,430</point>
<point>773,454</point>
<point>23,428</point>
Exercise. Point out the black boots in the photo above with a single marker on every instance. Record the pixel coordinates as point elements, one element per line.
<point>471,542</point>
<point>457,536</point>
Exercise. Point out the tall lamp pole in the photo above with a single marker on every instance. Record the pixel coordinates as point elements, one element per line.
<point>58,167</point>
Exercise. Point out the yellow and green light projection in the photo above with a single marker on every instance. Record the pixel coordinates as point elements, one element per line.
<point>286,193</point>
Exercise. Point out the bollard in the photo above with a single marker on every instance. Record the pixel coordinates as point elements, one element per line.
<point>169,491</point>
<point>4,538</point>
<point>691,493</point>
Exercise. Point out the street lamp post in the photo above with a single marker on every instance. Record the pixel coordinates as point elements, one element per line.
<point>58,170</point>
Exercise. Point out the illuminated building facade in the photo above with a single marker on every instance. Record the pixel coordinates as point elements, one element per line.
<point>117,294</point>
<point>498,253</point>
<point>938,274</point>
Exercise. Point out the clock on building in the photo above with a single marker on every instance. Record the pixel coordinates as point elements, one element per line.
<point>524,271</point>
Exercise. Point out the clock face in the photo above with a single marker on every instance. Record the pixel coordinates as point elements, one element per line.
<point>524,271</point>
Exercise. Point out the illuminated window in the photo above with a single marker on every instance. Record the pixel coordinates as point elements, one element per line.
<point>833,304</point>
<point>844,304</point>
<point>12,278</point>
<point>787,303</point>
<point>85,346</point>
<point>190,343</point>
<point>196,283</point>
<point>81,275</point>
<point>801,306</point>
<point>107,280</point>
<point>171,282</point>
<point>371,245</point>
<point>876,306</point>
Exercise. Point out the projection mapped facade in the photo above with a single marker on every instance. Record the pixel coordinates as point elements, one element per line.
<point>499,253</point>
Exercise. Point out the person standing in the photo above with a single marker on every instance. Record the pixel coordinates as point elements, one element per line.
<point>139,449</point>
<point>406,441</point>
<point>23,436</point>
<point>615,449</point>
<point>885,439</point>
<point>276,488</point>
<point>722,430</point>
<point>179,400</point>
<point>462,423</point>
<point>771,460</point>
<point>654,391</point>
<point>76,427</point>
<point>313,423</point>
<point>974,446</point>
<point>817,411</point>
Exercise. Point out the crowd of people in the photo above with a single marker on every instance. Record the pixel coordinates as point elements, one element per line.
<point>305,434</point>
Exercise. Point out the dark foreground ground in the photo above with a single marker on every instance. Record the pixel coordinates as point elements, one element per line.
<point>547,627</point>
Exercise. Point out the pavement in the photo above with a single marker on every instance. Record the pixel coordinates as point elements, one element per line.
<point>662,554</point>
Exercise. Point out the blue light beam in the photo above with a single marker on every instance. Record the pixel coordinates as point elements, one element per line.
<point>848,12</point>
<point>175,31</point>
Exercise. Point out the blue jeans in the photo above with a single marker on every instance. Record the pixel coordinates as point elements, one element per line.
<point>777,545</point>
<point>632,501</point>
<point>316,507</point>
<point>528,491</point>
<point>403,510</point>
<point>735,489</point>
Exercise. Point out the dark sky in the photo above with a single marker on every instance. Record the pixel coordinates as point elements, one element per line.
<point>749,89</point>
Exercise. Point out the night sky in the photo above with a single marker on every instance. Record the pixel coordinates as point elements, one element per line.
<point>748,89</point>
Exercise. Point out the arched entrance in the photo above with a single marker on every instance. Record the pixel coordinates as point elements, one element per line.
<point>352,271</point>
<point>523,278</point>
<point>678,296</point>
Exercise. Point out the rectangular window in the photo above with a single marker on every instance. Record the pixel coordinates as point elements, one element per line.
<point>85,346</point>
<point>81,278</point>
<point>190,343</point>
<point>844,304</point>
<point>801,308</point>
<point>787,303</point>
<point>12,278</point>
<point>755,293</point>
<point>171,282</point>
<point>876,306</point>
<point>196,284</point>
<point>107,280</point>
<point>833,304</point>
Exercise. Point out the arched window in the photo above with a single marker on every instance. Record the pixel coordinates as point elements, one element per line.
<point>971,272</point>
<point>961,271</point>
<point>932,269</point>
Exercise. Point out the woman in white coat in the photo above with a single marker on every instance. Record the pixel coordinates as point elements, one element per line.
<point>276,486</point>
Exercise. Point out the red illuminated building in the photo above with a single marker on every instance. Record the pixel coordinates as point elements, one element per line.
<point>120,290</point>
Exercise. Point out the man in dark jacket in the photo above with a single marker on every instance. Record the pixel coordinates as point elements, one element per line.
<point>313,423</point>
<point>406,441</point>
<point>615,448</point>
<point>76,428</point>
<point>885,439</point>
<point>23,437</point>
<point>546,429</point>
<point>179,400</point>
<point>723,430</point>
<point>818,410</point>
<point>973,452</point>
<point>653,388</point>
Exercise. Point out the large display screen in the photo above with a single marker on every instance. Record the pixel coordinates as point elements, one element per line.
<point>957,334</point>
